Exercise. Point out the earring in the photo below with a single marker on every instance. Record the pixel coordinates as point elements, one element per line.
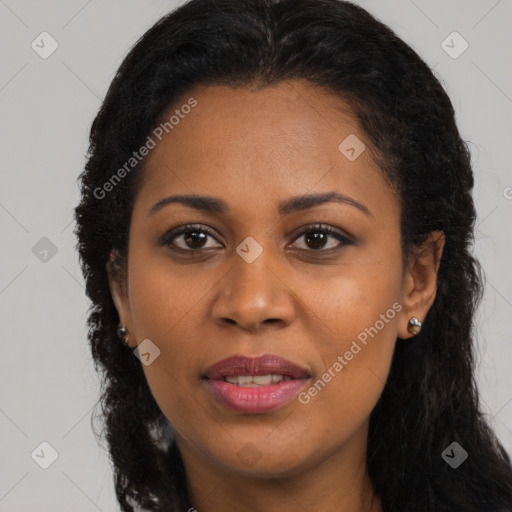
<point>122,332</point>
<point>414,325</point>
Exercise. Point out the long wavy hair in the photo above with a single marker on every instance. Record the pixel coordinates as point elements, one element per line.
<point>430,399</point>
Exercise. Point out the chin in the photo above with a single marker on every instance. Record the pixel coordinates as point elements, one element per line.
<point>249,461</point>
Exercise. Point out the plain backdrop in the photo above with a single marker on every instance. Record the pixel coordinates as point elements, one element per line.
<point>47,381</point>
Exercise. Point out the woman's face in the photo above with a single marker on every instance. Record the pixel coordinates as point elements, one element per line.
<point>257,284</point>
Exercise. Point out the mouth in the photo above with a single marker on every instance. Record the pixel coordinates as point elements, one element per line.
<point>255,385</point>
<point>255,381</point>
<point>264,370</point>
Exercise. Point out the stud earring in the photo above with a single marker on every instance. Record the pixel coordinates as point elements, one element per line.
<point>414,325</point>
<point>122,332</point>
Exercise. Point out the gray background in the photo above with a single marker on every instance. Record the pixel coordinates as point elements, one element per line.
<point>48,385</point>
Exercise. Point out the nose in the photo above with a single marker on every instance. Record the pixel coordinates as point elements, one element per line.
<point>254,296</point>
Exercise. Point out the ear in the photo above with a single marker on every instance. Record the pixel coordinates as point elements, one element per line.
<point>420,281</point>
<point>118,283</point>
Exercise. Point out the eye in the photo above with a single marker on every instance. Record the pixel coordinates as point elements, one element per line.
<point>316,238</point>
<point>194,237</point>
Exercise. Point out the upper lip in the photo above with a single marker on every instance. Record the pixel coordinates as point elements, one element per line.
<point>263,365</point>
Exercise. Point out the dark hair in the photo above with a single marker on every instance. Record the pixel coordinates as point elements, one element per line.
<point>430,399</point>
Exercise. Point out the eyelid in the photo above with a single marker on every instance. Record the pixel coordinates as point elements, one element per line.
<point>322,226</point>
<point>174,233</point>
<point>343,238</point>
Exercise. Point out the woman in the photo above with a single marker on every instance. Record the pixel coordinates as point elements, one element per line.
<point>276,220</point>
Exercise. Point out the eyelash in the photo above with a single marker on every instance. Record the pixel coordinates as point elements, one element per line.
<point>171,235</point>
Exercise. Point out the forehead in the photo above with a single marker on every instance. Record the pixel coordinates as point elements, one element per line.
<point>267,144</point>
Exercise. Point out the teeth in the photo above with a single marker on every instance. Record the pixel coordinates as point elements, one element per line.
<point>243,380</point>
<point>265,380</point>
<point>255,381</point>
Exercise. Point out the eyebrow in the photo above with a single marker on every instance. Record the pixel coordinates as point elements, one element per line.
<point>294,204</point>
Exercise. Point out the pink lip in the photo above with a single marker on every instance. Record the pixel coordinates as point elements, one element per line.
<point>262,365</point>
<point>255,399</point>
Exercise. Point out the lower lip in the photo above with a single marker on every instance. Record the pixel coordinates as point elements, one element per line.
<point>258,399</point>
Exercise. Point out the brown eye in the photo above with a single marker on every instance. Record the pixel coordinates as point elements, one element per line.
<point>194,237</point>
<point>317,238</point>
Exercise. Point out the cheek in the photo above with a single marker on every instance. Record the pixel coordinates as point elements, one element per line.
<point>164,307</point>
<point>353,371</point>
<point>163,310</point>
<point>162,295</point>
<point>357,318</point>
<point>354,298</point>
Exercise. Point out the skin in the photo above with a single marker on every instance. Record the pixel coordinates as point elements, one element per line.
<point>253,149</point>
